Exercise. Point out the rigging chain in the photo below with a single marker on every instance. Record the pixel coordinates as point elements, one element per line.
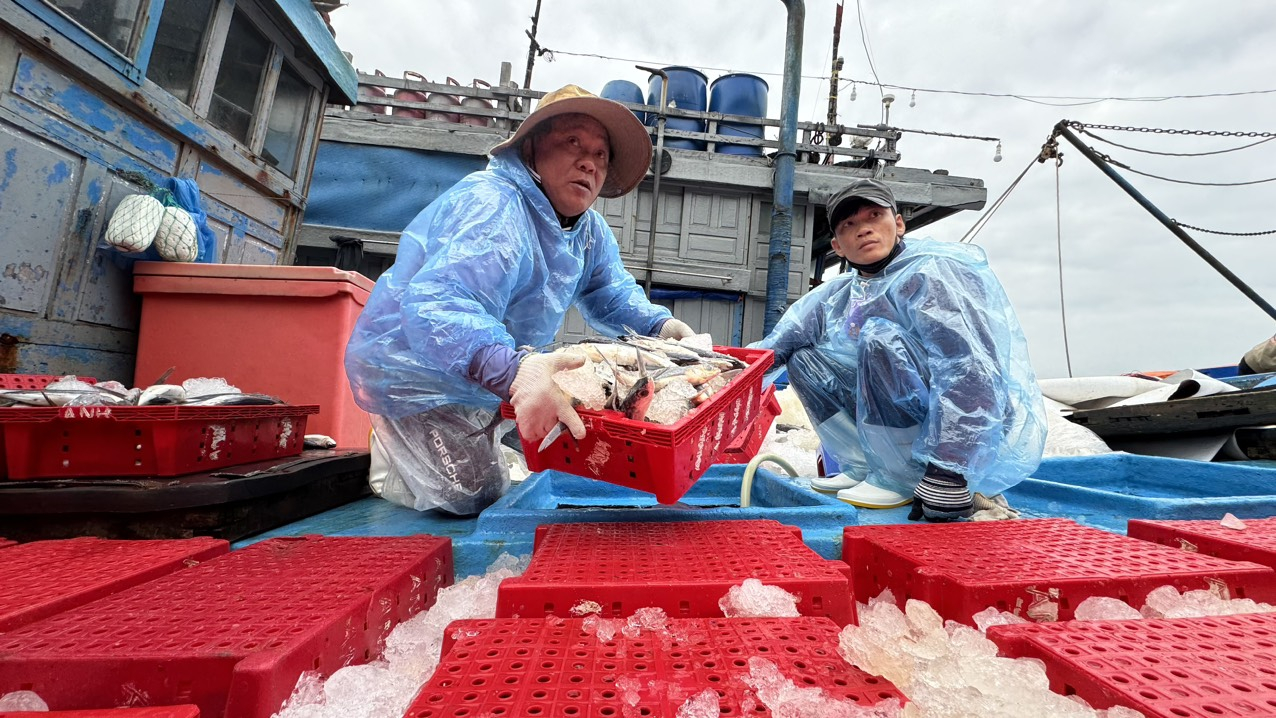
<point>1081,127</point>
<point>1161,131</point>
<point>1101,138</point>
<point>1228,234</point>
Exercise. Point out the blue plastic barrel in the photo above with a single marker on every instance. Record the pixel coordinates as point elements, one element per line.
<point>687,91</point>
<point>739,94</point>
<point>625,91</point>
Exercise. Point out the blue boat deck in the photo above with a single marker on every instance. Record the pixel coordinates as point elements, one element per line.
<point>1101,491</point>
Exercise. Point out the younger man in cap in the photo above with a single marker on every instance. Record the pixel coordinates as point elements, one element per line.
<point>491,265</point>
<point>912,366</point>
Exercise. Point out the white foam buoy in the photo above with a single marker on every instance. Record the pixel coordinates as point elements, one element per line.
<point>133,225</point>
<point>177,239</point>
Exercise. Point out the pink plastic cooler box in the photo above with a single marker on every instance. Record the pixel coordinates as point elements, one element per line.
<point>267,329</point>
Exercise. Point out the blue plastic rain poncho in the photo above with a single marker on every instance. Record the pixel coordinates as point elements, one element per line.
<point>487,263</point>
<point>923,362</point>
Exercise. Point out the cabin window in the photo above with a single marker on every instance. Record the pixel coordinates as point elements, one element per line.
<point>179,42</point>
<point>115,22</point>
<point>287,117</point>
<point>238,82</point>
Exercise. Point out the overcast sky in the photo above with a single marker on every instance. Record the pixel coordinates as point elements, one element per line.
<point>1136,298</point>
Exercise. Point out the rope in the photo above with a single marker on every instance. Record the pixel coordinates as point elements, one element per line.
<point>1063,313</point>
<point>983,219</point>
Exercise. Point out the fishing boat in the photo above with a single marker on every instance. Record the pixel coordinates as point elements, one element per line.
<point>243,590</point>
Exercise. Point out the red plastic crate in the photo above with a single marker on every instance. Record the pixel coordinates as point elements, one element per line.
<point>1256,543</point>
<point>662,460</point>
<point>41,578</point>
<point>963,568</point>
<point>683,568</point>
<point>557,667</point>
<point>186,711</point>
<point>278,330</point>
<point>231,635</point>
<point>26,381</point>
<point>89,441</point>
<point>745,445</point>
<point>1180,668</point>
<point>34,381</point>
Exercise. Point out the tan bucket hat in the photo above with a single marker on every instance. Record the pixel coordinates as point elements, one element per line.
<point>630,143</point>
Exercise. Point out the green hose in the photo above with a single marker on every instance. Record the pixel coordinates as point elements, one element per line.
<point>746,486</point>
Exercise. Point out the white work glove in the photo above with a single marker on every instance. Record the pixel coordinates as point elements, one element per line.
<point>537,399</point>
<point>676,329</point>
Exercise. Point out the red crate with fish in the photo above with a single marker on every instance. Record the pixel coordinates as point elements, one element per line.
<point>110,441</point>
<point>660,415</point>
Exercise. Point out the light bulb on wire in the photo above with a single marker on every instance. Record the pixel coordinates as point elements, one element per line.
<point>912,101</point>
<point>997,157</point>
<point>852,92</point>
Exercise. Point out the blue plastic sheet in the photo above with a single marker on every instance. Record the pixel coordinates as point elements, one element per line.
<point>923,363</point>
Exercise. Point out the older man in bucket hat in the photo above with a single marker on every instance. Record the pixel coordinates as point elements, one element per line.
<point>912,366</point>
<point>492,265</point>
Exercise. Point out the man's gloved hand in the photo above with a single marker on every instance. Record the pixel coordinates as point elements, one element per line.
<point>538,400</point>
<point>676,329</point>
<point>941,496</point>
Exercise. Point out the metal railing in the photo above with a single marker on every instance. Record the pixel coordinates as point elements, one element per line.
<point>498,110</point>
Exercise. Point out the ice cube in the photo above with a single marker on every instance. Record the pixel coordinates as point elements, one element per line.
<point>1231,522</point>
<point>1105,608</point>
<point>628,686</point>
<point>753,599</point>
<point>583,385</point>
<point>702,705</point>
<point>19,701</point>
<point>204,386</point>
<point>785,698</point>
<point>992,617</point>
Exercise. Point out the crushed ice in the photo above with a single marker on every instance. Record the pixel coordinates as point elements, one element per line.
<point>205,386</point>
<point>702,705</point>
<point>950,669</point>
<point>22,701</point>
<point>1231,522</point>
<point>385,688</point>
<point>785,699</point>
<point>754,599</point>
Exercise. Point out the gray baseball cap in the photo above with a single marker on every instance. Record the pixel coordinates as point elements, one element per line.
<point>841,205</point>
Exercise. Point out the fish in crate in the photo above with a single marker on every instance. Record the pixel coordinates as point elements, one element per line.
<point>657,411</point>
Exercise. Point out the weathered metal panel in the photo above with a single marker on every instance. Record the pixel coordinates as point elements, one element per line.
<point>668,223</point>
<point>38,186</point>
<point>59,348</point>
<point>222,231</point>
<point>230,190</point>
<point>799,250</point>
<point>618,211</point>
<point>305,20</point>
<point>715,227</point>
<point>754,319</point>
<point>106,294</point>
<point>718,318</point>
<point>253,252</point>
<point>67,99</point>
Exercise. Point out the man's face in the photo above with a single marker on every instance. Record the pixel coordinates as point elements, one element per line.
<point>572,162</point>
<point>868,234</point>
